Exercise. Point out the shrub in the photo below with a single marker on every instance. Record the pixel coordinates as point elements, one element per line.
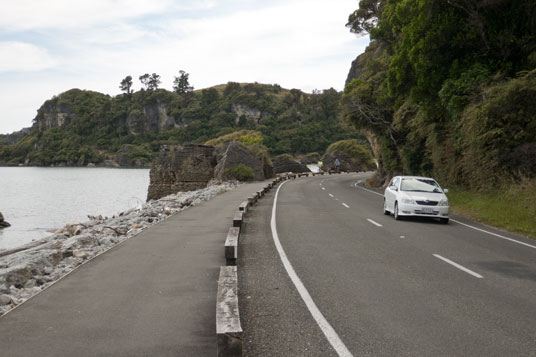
<point>240,172</point>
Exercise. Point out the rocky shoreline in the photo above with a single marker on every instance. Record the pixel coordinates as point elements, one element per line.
<point>27,270</point>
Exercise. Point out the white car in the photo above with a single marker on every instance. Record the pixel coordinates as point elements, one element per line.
<point>416,196</point>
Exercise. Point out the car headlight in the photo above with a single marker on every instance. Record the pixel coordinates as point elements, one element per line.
<point>408,201</point>
<point>443,202</point>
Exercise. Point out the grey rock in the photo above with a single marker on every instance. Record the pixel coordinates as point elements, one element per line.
<point>5,299</point>
<point>286,163</point>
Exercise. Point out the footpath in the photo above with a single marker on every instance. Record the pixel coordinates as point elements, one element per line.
<point>152,295</point>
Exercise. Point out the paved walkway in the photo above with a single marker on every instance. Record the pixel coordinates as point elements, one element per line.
<point>153,295</point>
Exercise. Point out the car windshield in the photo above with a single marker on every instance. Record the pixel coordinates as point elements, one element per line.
<point>419,185</point>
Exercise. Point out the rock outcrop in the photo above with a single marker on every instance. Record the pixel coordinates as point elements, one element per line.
<point>249,113</point>
<point>192,167</point>
<point>232,154</point>
<point>286,163</point>
<point>154,118</point>
<point>3,224</point>
<point>178,170</point>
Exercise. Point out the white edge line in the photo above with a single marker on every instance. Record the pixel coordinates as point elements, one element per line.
<point>494,234</point>
<point>465,224</point>
<point>366,189</point>
<point>373,222</point>
<point>345,205</point>
<point>324,325</point>
<point>461,267</point>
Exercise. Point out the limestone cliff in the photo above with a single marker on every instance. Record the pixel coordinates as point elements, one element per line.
<point>181,169</point>
<point>193,166</point>
<point>286,163</point>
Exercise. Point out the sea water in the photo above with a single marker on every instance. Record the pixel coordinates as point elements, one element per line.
<point>38,200</point>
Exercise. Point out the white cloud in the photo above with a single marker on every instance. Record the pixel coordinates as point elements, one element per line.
<point>30,14</point>
<point>93,45</point>
<point>20,56</point>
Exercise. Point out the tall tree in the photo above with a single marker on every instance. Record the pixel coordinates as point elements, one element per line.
<point>181,84</point>
<point>144,79</point>
<point>126,85</point>
<point>154,82</point>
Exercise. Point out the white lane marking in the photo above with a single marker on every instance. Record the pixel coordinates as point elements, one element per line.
<point>324,325</point>
<point>464,224</point>
<point>374,223</point>
<point>366,189</point>
<point>323,188</point>
<point>330,195</point>
<point>494,234</point>
<point>345,205</point>
<point>461,267</point>
<point>402,237</point>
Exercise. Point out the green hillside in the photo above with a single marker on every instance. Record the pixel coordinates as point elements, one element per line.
<point>448,88</point>
<point>80,127</point>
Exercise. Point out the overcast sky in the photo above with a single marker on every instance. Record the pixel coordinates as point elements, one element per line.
<point>50,46</point>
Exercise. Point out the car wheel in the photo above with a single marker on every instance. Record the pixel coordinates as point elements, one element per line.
<point>444,220</point>
<point>397,217</point>
<point>385,211</point>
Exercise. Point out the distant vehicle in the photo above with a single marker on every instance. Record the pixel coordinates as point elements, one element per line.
<point>412,196</point>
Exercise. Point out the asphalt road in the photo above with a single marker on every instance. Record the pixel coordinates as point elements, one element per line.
<point>152,295</point>
<point>386,287</point>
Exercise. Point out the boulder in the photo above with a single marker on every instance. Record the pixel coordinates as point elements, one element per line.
<point>3,223</point>
<point>286,163</point>
<point>5,299</point>
<point>232,154</point>
<point>181,169</point>
<point>346,163</point>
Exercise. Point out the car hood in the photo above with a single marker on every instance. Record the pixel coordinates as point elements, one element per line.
<point>422,196</point>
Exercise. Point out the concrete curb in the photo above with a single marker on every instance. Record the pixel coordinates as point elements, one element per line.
<point>228,328</point>
<point>231,245</point>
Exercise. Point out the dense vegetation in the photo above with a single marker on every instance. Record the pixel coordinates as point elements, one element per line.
<point>80,127</point>
<point>448,88</point>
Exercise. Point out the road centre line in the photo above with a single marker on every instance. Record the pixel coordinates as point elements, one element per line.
<point>465,224</point>
<point>374,223</point>
<point>324,325</point>
<point>345,205</point>
<point>461,267</point>
<point>323,188</point>
<point>330,195</point>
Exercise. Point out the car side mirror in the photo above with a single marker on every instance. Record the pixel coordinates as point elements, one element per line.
<point>446,190</point>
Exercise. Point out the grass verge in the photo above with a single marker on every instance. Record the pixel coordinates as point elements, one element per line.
<point>512,208</point>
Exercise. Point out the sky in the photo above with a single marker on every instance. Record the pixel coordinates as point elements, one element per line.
<point>48,47</point>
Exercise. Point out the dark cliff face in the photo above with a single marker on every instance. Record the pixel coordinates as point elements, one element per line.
<point>358,68</point>
<point>193,166</point>
<point>286,163</point>
<point>181,169</point>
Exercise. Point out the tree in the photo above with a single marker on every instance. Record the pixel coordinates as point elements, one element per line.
<point>154,82</point>
<point>144,79</point>
<point>181,84</point>
<point>364,19</point>
<point>126,84</point>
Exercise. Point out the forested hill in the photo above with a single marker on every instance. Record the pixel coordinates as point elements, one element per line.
<point>448,87</point>
<point>81,127</point>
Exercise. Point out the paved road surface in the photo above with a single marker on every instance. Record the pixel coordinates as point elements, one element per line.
<point>153,295</point>
<point>404,288</point>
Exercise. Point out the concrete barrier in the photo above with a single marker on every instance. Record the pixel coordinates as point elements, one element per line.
<point>244,206</point>
<point>237,219</point>
<point>228,329</point>
<point>231,245</point>
<point>252,199</point>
